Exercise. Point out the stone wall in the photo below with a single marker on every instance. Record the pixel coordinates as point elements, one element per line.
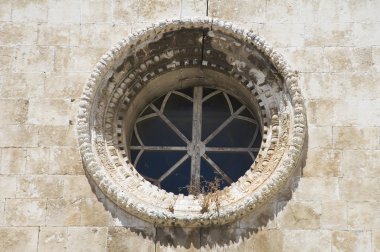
<point>49,47</point>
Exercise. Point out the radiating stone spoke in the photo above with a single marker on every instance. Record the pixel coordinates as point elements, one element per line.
<point>159,148</point>
<point>217,169</point>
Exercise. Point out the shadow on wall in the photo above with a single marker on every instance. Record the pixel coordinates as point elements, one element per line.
<point>257,231</point>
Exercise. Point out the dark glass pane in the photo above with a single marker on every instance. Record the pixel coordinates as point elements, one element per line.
<point>207,91</point>
<point>155,163</point>
<point>134,141</point>
<point>233,164</point>
<point>235,103</point>
<point>209,175</point>
<point>147,111</point>
<point>215,112</point>
<point>179,111</point>
<point>154,132</point>
<point>187,91</point>
<point>158,102</point>
<point>134,155</point>
<point>178,181</point>
<point>247,113</point>
<point>237,133</point>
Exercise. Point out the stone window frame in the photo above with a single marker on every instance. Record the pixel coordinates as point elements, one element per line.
<point>283,125</point>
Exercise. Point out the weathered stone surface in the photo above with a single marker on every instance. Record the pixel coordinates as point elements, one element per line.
<point>299,215</point>
<point>52,239</point>
<point>177,239</point>
<point>7,186</point>
<point>13,161</point>
<point>37,161</point>
<point>323,189</point>
<point>351,241</point>
<point>18,238</point>
<point>25,212</point>
<point>130,239</point>
<point>63,212</point>
<point>323,163</point>
<point>307,240</point>
<point>334,215</point>
<point>65,161</point>
<point>77,187</point>
<point>39,186</point>
<point>80,238</point>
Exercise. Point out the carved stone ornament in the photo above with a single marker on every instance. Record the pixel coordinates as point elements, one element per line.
<point>175,54</point>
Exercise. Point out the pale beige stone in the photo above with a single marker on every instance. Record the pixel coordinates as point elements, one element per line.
<point>320,137</point>
<point>322,163</point>
<point>2,213</point>
<point>18,136</point>
<point>13,161</point>
<point>30,10</point>
<point>80,238</point>
<point>17,34</point>
<point>305,59</point>
<point>67,11</point>
<point>22,85</point>
<point>328,12</point>
<point>177,239</point>
<point>299,215</point>
<point>360,163</point>
<point>155,10</point>
<point>346,59</point>
<point>279,34</point>
<point>56,136</point>
<point>321,112</point>
<point>237,10</point>
<point>362,86</point>
<point>96,11</point>
<point>25,212</point>
<point>5,10</point>
<point>125,11</point>
<point>359,189</point>
<point>376,57</point>
<point>263,218</point>
<point>334,215</point>
<point>351,241</point>
<point>13,111</point>
<point>54,34</point>
<point>77,187</point>
<point>356,117</point>
<point>317,189</point>
<point>94,213</point>
<point>6,58</point>
<point>278,11</point>
<point>328,34</point>
<point>39,186</point>
<point>193,8</point>
<point>37,160</point>
<point>366,34</point>
<point>130,239</point>
<point>355,137</point>
<point>63,212</point>
<point>363,215</point>
<point>323,86</point>
<point>65,86</point>
<point>34,59</point>
<point>18,239</point>
<point>52,239</point>
<point>268,240</point>
<point>7,186</point>
<point>376,240</point>
<point>48,112</point>
<point>307,240</point>
<point>74,59</point>
<point>65,161</point>
<point>227,238</point>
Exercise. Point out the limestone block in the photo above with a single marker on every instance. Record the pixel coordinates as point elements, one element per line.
<point>2,213</point>
<point>96,11</point>
<point>125,11</point>
<point>13,161</point>
<point>361,163</point>
<point>376,58</point>
<point>364,11</point>
<point>228,239</point>
<point>321,112</point>
<point>75,59</point>
<point>363,215</point>
<point>177,239</point>
<point>6,58</point>
<point>17,34</point>
<point>322,163</point>
<point>307,240</point>
<point>64,11</point>
<point>37,160</point>
<point>351,241</point>
<point>22,85</point>
<point>268,240</point>
<point>366,34</point>
<point>18,239</point>
<point>25,212</point>
<point>299,215</point>
<point>312,12</point>
<point>278,11</point>
<point>238,10</point>
<point>56,136</point>
<point>356,117</point>
<point>48,111</point>
<point>52,239</point>
<point>65,161</point>
<point>306,59</point>
<point>5,10</point>
<point>279,34</point>
<point>155,10</point>
<point>7,186</point>
<point>13,111</point>
<point>329,34</point>
<point>123,219</point>
<point>63,212</point>
<point>362,85</point>
<point>193,8</point>
<point>94,213</point>
<point>263,218</point>
<point>30,11</point>
<point>324,86</point>
<point>317,189</point>
<point>355,138</point>
<point>65,86</point>
<point>320,137</point>
<point>334,215</point>
<point>18,136</point>
<point>34,59</point>
<point>77,187</point>
<point>376,240</point>
<point>361,189</point>
<point>130,239</point>
<point>346,59</point>
<point>80,238</point>
<point>39,186</point>
<point>54,34</point>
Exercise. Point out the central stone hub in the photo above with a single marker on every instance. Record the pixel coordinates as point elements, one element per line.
<point>196,149</point>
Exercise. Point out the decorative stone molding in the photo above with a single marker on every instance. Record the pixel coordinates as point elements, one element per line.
<point>172,54</point>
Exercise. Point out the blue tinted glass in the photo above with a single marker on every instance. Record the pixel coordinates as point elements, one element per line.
<point>179,180</point>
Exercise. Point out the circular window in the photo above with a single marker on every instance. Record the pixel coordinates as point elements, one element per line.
<point>191,123</point>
